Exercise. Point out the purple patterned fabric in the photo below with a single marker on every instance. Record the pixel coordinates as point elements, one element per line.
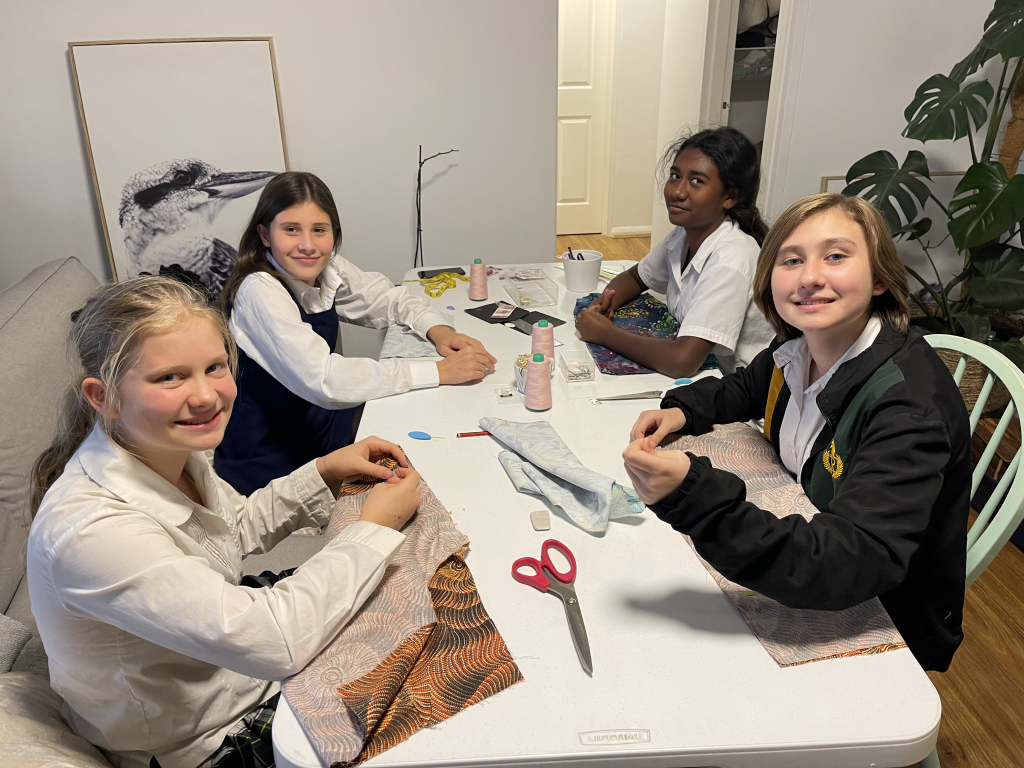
<point>644,316</point>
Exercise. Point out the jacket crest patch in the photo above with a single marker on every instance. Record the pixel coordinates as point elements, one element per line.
<point>833,463</point>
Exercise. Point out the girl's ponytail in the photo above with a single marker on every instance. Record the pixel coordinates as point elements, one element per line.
<point>738,167</point>
<point>107,336</point>
<point>74,422</point>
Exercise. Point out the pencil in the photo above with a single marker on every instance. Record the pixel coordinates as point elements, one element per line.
<point>472,434</point>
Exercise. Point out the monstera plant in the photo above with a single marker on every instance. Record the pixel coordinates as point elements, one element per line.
<point>986,212</point>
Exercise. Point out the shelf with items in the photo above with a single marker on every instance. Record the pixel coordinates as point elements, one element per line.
<point>753,63</point>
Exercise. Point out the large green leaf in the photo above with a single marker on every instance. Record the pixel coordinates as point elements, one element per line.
<point>915,230</point>
<point>997,260</point>
<point>999,292</point>
<point>988,204</point>
<point>974,61</point>
<point>999,282</point>
<point>941,109</point>
<point>886,184</point>
<point>974,324</point>
<point>1012,349</point>
<point>1004,28</point>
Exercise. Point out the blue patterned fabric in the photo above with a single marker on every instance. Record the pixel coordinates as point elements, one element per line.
<point>541,464</point>
<point>644,316</point>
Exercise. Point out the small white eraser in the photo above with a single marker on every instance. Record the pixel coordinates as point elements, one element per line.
<point>540,520</point>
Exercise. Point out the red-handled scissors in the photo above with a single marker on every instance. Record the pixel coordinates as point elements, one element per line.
<point>541,578</point>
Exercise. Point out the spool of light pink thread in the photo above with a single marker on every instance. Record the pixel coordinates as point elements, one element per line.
<point>478,281</point>
<point>538,384</point>
<point>543,339</point>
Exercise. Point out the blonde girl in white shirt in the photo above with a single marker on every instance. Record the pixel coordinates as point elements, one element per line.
<point>135,550</point>
<point>297,398</point>
<point>705,265</point>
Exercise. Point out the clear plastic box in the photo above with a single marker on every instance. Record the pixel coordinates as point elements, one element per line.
<point>531,288</point>
<point>576,365</point>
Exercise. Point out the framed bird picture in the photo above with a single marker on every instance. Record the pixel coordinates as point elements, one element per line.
<point>182,135</point>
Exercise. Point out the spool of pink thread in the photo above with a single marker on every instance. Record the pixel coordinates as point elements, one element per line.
<point>478,281</point>
<point>543,339</point>
<point>538,384</point>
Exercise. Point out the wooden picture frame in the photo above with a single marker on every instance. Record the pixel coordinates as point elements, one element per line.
<point>180,132</point>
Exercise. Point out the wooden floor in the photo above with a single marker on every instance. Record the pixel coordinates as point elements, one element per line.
<point>983,691</point>
<point>613,248</point>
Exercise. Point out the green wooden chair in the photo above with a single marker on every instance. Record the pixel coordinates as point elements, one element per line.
<point>1004,510</point>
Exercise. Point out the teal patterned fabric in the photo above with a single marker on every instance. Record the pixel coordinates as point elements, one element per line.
<point>541,464</point>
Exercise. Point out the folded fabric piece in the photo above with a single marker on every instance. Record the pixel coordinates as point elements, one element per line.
<point>402,342</point>
<point>790,635</point>
<point>387,674</point>
<point>644,316</point>
<point>541,464</point>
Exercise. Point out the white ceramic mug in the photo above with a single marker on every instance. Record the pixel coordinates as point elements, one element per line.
<point>581,273</point>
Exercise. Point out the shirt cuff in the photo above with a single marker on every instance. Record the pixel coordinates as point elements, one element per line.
<point>314,491</point>
<point>428,321</point>
<point>381,539</point>
<point>671,509</point>
<point>423,373</point>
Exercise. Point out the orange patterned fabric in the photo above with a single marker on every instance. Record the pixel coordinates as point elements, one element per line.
<point>421,648</point>
<point>438,671</point>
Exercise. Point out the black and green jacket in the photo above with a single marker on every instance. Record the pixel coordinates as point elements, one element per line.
<point>890,472</point>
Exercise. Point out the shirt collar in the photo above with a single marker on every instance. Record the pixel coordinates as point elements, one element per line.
<point>795,351</point>
<point>112,467</point>
<point>317,298</point>
<point>703,253</point>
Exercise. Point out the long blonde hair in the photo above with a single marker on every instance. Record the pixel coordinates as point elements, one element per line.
<point>107,337</point>
<point>886,265</point>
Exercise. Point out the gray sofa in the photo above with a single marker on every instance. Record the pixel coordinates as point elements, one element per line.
<point>36,367</point>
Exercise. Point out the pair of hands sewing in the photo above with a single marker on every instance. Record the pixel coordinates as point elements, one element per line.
<point>594,321</point>
<point>465,358</point>
<point>655,473</point>
<point>391,503</point>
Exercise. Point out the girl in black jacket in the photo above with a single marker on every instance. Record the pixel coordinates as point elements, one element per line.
<point>860,410</point>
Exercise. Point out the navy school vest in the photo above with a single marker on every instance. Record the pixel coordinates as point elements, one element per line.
<point>272,431</point>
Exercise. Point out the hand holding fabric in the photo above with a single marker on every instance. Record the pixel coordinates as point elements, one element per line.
<point>655,474</point>
<point>603,304</point>
<point>391,504</point>
<point>658,424</point>
<point>359,459</point>
<point>592,324</point>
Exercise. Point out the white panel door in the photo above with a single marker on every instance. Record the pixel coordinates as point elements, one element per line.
<point>584,42</point>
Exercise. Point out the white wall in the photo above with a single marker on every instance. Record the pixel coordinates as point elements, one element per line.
<point>363,82</point>
<point>848,70</point>
<point>681,74</point>
<point>636,90</point>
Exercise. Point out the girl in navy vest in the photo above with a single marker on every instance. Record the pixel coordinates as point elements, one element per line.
<point>296,396</point>
<point>860,410</point>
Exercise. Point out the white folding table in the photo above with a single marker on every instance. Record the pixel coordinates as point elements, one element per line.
<point>679,679</point>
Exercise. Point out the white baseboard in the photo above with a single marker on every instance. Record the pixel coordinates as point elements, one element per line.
<point>629,232</point>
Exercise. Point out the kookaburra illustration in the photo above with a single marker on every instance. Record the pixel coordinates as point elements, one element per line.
<point>166,211</point>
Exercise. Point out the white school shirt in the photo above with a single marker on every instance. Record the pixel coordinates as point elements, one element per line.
<point>803,420</point>
<point>713,298</point>
<point>154,647</point>
<point>268,327</point>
